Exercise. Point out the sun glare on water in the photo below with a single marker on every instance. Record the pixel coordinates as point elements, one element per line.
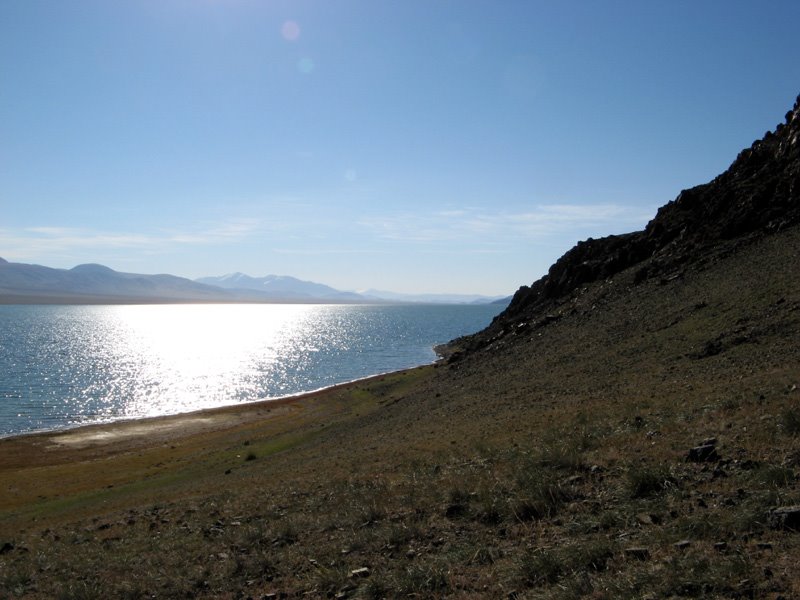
<point>179,358</point>
<point>62,366</point>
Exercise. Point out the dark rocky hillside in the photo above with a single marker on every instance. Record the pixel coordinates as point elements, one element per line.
<point>758,195</point>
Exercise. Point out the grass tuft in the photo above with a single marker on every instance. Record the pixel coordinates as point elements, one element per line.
<point>423,580</point>
<point>645,481</point>
<point>539,567</point>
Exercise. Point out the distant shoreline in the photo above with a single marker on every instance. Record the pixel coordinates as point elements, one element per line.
<point>67,300</point>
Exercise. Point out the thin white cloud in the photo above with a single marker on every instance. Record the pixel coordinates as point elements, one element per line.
<point>326,251</point>
<point>484,226</point>
<point>49,230</point>
<point>44,242</point>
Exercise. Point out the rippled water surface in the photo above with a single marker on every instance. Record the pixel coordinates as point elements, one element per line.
<point>62,366</point>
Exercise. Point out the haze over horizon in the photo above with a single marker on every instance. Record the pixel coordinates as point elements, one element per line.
<point>449,147</point>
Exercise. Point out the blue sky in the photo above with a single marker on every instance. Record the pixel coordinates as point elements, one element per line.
<point>417,146</point>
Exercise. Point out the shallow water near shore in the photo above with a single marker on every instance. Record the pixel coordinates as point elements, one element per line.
<point>64,366</point>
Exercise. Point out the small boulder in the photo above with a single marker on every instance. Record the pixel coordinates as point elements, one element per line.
<point>360,572</point>
<point>648,519</point>
<point>455,510</point>
<point>637,553</point>
<point>703,453</point>
<point>682,545</point>
<point>785,517</point>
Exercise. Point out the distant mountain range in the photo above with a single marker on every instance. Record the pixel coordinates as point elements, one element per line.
<point>281,287</point>
<point>96,284</point>
<point>23,283</point>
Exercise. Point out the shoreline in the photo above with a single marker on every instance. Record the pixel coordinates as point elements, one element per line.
<point>46,472</point>
<point>124,435</point>
<point>42,423</point>
<point>244,406</point>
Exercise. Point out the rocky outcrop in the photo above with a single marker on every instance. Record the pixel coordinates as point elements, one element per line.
<point>758,194</point>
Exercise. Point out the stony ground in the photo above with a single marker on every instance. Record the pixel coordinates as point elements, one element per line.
<point>640,442</point>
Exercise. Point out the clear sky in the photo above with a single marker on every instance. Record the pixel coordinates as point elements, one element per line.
<point>414,145</point>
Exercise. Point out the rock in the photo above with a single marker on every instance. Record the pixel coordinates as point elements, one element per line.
<point>637,553</point>
<point>785,517</point>
<point>455,510</point>
<point>705,453</point>
<point>682,545</point>
<point>646,519</point>
<point>710,348</point>
<point>360,572</point>
<point>721,546</point>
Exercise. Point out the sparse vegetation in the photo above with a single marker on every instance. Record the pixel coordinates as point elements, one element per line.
<point>648,480</point>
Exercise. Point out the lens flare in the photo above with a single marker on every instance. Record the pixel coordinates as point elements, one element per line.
<point>305,65</point>
<point>290,31</point>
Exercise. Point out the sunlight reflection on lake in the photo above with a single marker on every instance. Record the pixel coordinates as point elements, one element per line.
<point>191,357</point>
<point>66,365</point>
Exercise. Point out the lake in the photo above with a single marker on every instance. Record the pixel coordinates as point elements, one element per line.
<point>64,366</point>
